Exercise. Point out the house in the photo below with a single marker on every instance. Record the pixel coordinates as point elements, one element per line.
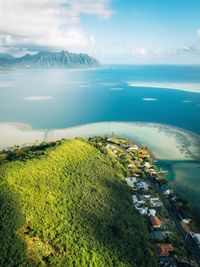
<point>147,196</point>
<point>147,165</point>
<point>196,238</point>
<point>138,199</point>
<point>152,212</point>
<point>155,202</point>
<point>143,153</point>
<point>158,235</point>
<point>141,185</point>
<point>143,211</point>
<point>167,261</point>
<point>165,189</point>
<point>164,249</point>
<point>132,148</point>
<point>155,221</point>
<point>135,200</point>
<point>183,216</point>
<point>130,181</point>
<point>138,206</point>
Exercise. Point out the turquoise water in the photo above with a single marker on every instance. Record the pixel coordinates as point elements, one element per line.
<point>77,97</point>
<point>64,98</point>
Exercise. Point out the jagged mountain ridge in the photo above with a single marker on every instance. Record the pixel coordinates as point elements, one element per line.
<point>63,59</point>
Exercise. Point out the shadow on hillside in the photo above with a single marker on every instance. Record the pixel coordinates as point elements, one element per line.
<point>12,247</point>
<point>120,228</point>
<point>116,227</point>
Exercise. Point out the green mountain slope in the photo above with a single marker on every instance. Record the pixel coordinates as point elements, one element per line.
<point>69,207</point>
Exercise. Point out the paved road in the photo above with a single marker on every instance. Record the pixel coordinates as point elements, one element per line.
<point>188,240</point>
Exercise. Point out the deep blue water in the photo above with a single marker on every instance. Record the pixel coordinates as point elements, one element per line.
<point>79,97</point>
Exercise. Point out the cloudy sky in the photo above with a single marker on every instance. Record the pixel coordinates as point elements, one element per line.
<point>114,31</point>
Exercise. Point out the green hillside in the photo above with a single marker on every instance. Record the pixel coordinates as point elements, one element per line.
<point>68,206</point>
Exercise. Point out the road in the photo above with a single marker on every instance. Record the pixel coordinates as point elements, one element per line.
<point>187,238</point>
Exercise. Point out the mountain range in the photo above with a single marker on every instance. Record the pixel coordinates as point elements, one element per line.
<point>63,59</point>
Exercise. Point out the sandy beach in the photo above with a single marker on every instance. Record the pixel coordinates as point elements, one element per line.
<point>188,87</point>
<point>12,134</point>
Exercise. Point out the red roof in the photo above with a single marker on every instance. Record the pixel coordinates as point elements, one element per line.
<point>155,221</point>
<point>164,249</point>
<point>143,153</point>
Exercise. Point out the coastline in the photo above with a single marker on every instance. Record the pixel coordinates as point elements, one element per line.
<point>165,141</point>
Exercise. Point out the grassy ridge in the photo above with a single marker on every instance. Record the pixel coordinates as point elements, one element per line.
<point>70,207</point>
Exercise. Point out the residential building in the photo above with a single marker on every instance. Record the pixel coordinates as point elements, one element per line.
<point>152,212</point>
<point>155,202</point>
<point>183,216</point>
<point>164,249</point>
<point>158,235</point>
<point>165,189</point>
<point>155,221</point>
<point>196,238</point>
<point>130,181</point>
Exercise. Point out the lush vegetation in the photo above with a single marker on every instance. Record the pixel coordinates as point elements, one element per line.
<point>66,204</point>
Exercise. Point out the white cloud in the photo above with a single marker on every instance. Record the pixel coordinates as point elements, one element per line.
<point>188,50</point>
<point>198,32</point>
<point>48,23</point>
<point>139,51</point>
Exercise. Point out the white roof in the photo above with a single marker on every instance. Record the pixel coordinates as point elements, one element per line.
<point>143,211</point>
<point>155,199</point>
<point>147,164</point>
<point>152,212</point>
<point>134,179</point>
<point>147,196</point>
<point>135,200</point>
<point>131,180</point>
<point>197,237</point>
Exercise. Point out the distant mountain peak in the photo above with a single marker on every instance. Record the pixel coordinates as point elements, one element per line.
<point>44,59</point>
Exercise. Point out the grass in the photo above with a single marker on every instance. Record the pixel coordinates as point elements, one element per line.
<point>69,207</point>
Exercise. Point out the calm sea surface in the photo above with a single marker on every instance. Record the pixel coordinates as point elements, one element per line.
<point>64,98</point>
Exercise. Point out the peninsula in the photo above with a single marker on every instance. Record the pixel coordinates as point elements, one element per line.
<point>95,202</point>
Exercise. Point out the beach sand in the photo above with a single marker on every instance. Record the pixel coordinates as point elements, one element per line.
<point>12,134</point>
<point>188,87</point>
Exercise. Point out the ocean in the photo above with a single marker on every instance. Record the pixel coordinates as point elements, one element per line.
<point>64,99</point>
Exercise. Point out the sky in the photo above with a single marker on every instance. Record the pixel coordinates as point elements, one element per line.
<point>113,31</point>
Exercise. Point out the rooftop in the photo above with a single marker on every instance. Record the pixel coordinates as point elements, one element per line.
<point>164,249</point>
<point>155,221</point>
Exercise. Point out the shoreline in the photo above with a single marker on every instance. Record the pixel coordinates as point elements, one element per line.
<point>167,142</point>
